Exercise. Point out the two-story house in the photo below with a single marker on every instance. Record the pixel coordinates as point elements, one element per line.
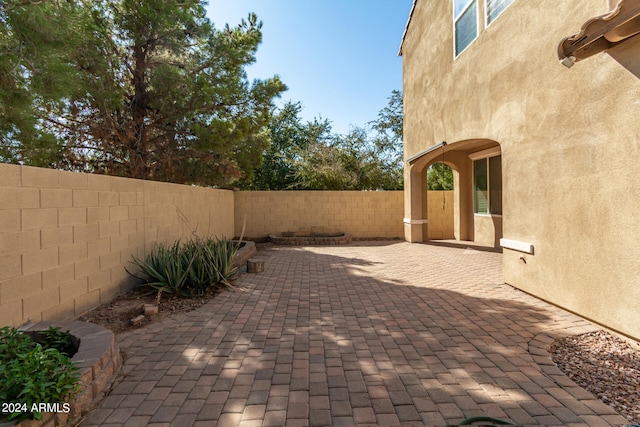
<point>536,108</point>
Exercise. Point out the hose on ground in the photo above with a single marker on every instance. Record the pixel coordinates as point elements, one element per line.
<point>494,422</point>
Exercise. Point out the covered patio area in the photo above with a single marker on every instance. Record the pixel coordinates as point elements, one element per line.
<point>477,190</point>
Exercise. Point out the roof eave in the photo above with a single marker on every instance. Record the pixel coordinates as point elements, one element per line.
<point>406,27</point>
<point>601,33</point>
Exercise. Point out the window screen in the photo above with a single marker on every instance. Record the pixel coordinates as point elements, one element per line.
<point>480,189</point>
<point>495,185</point>
<point>487,185</point>
<point>466,23</point>
<point>495,8</point>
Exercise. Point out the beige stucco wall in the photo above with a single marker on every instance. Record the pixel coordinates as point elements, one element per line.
<point>66,237</point>
<point>570,145</point>
<point>359,213</point>
<point>487,229</point>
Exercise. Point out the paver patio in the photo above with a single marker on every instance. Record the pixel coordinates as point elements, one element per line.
<point>373,333</point>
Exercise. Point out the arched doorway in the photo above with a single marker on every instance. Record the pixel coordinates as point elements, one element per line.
<point>477,200</point>
<point>439,201</point>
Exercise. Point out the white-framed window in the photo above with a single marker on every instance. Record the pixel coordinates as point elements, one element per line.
<point>487,183</point>
<point>494,8</point>
<point>465,23</point>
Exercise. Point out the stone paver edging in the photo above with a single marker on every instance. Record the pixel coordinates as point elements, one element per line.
<point>371,333</point>
<point>98,359</point>
<point>298,240</point>
<point>246,251</point>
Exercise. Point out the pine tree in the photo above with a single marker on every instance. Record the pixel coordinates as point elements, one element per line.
<point>161,94</point>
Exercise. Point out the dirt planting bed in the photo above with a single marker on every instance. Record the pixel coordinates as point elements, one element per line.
<point>117,315</point>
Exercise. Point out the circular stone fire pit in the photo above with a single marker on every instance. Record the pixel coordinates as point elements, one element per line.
<point>298,239</point>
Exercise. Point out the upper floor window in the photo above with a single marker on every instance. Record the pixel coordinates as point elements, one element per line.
<point>465,21</point>
<point>495,8</point>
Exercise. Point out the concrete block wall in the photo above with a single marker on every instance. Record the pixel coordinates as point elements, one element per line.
<point>65,237</point>
<point>440,215</point>
<point>359,213</point>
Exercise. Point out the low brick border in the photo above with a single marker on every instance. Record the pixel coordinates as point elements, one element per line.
<point>246,251</point>
<point>98,359</point>
<point>539,350</point>
<point>311,240</point>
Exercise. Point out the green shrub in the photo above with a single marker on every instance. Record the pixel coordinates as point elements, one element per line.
<point>31,373</point>
<point>189,269</point>
<point>55,338</point>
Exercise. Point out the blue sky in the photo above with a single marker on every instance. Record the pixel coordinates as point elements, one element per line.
<point>338,57</point>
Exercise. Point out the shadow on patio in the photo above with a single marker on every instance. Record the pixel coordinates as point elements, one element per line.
<point>370,333</point>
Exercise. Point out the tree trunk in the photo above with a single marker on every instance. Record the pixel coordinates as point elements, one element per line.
<point>138,160</point>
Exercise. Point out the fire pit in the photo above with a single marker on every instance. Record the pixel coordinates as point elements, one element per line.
<point>301,238</point>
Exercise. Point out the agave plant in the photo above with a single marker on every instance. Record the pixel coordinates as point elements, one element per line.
<point>201,274</point>
<point>164,269</point>
<point>219,255</point>
<point>189,269</point>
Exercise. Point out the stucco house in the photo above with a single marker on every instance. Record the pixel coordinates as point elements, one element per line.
<point>536,107</point>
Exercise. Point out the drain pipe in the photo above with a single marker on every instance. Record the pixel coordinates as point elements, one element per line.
<point>412,159</point>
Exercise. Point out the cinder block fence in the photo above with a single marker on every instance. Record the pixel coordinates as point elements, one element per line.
<point>359,213</point>
<point>66,237</point>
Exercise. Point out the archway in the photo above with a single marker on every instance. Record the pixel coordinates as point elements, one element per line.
<point>474,219</point>
<point>439,199</point>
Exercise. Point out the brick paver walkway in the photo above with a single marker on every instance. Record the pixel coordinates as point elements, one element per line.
<point>374,333</point>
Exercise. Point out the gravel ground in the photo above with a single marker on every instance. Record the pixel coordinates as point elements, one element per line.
<point>606,366</point>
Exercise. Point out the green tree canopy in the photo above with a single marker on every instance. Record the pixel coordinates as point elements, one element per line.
<point>347,162</point>
<point>159,94</point>
<point>366,158</point>
<point>289,138</point>
<point>35,71</point>
<point>439,177</point>
<point>389,127</point>
<point>309,156</point>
